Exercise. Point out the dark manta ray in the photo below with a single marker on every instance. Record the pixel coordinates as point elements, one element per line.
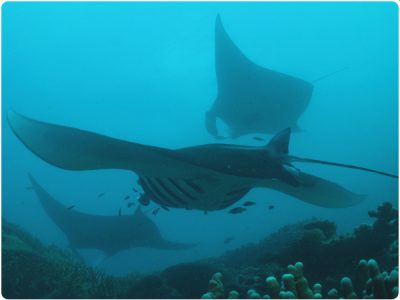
<point>110,234</point>
<point>206,177</point>
<point>253,99</point>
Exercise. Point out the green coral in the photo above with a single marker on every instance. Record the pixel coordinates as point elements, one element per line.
<point>31,270</point>
<point>215,287</point>
<point>294,285</point>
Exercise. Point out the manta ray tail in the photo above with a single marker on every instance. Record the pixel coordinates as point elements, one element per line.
<point>328,75</point>
<point>316,161</point>
<point>309,188</point>
<point>280,144</point>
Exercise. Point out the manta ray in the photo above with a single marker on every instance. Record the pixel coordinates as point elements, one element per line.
<point>250,98</point>
<point>110,234</point>
<point>206,177</point>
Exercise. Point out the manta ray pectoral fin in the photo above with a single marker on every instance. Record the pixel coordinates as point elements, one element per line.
<point>317,191</point>
<point>75,149</point>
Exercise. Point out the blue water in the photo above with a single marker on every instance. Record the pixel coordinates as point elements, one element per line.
<point>145,72</point>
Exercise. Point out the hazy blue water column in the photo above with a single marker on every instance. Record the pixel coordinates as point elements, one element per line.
<point>145,72</point>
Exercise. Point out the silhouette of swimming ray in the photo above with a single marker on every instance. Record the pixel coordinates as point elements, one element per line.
<point>253,99</point>
<point>110,234</point>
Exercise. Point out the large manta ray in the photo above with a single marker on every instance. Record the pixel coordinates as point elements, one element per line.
<point>206,177</point>
<point>110,234</point>
<point>253,99</point>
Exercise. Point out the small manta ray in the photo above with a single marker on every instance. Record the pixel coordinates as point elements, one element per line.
<point>110,234</point>
<point>237,210</point>
<point>206,177</point>
<point>249,203</point>
<point>252,99</point>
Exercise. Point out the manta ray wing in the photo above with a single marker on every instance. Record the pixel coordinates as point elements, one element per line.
<point>75,149</point>
<point>253,99</point>
<point>317,191</point>
<point>167,179</point>
<point>110,234</point>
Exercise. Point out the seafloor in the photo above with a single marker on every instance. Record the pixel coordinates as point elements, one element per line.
<point>303,260</point>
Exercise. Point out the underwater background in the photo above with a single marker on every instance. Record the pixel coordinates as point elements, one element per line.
<point>145,72</point>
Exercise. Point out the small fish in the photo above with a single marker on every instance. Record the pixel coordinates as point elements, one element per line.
<point>205,212</point>
<point>70,207</point>
<point>135,190</point>
<point>257,138</point>
<point>271,207</point>
<point>127,197</point>
<point>237,210</point>
<point>143,199</point>
<point>165,207</point>
<point>155,211</point>
<point>228,240</point>
<point>29,188</point>
<point>130,204</point>
<point>249,203</point>
<point>120,212</point>
<point>100,195</point>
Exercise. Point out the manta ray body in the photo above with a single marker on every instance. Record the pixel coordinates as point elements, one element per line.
<point>206,177</point>
<point>110,234</point>
<point>253,99</point>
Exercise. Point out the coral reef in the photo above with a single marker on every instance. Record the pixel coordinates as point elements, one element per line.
<point>329,256</point>
<point>294,285</point>
<point>151,287</point>
<point>215,288</point>
<point>181,278</point>
<point>328,266</point>
<point>31,270</point>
